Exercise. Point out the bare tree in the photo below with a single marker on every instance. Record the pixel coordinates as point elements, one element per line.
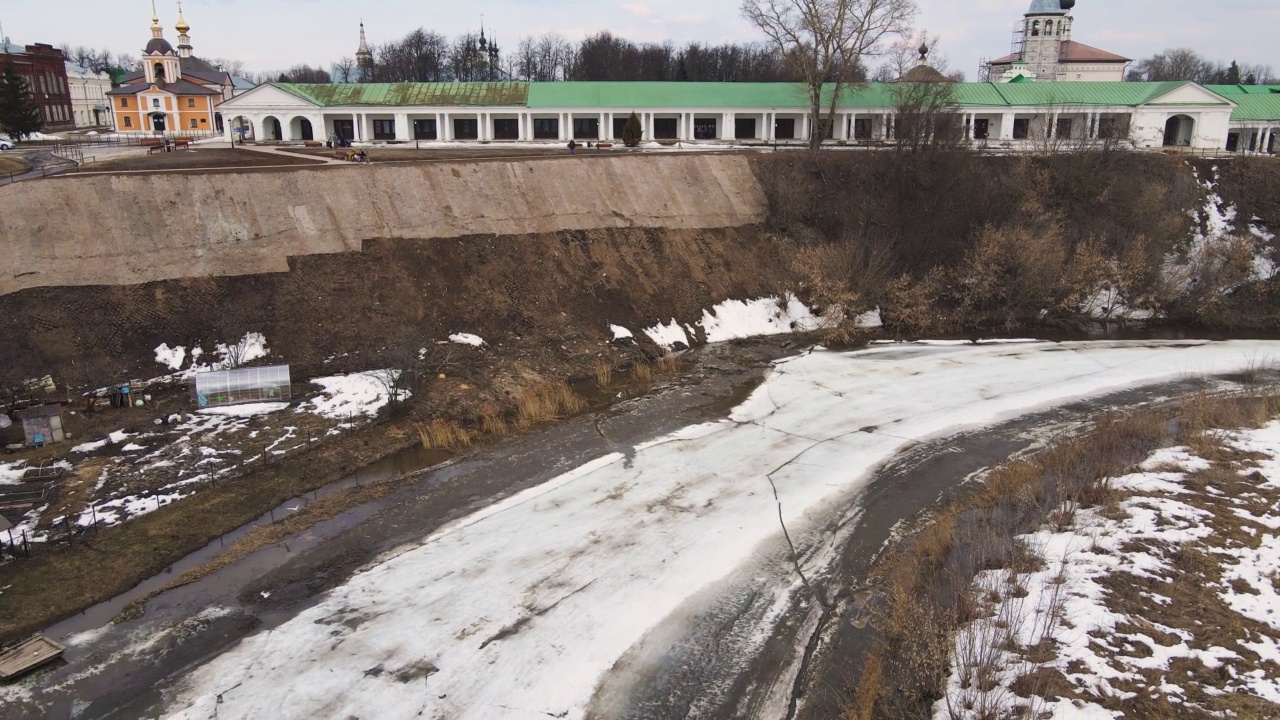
<point>826,42</point>
<point>344,70</point>
<point>235,68</point>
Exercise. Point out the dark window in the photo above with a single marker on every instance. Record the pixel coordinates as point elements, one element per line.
<point>424,130</point>
<point>345,129</point>
<point>1021,129</point>
<point>704,129</point>
<point>506,129</point>
<point>862,129</point>
<point>466,129</point>
<point>744,128</point>
<point>128,122</point>
<point>666,129</point>
<point>1035,29</point>
<point>194,124</point>
<point>586,128</point>
<point>546,129</point>
<point>620,126</point>
<point>191,102</point>
<point>981,129</point>
<point>1233,142</point>
<point>785,129</point>
<point>1112,128</point>
<point>1064,128</point>
<point>384,129</point>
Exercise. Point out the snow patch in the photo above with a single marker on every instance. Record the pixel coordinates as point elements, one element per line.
<point>738,319</point>
<point>621,333</point>
<point>359,394</point>
<point>245,411</point>
<point>668,336</point>
<point>172,358</point>
<point>466,339</point>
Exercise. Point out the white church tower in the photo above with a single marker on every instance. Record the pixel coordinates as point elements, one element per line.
<point>1044,51</point>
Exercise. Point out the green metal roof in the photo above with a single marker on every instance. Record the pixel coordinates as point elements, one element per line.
<point>1256,107</point>
<point>660,95</point>
<point>1245,89</point>
<point>1129,94</point>
<point>498,94</point>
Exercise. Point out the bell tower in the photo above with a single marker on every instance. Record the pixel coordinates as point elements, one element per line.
<point>364,58</point>
<point>159,59</point>
<point>184,40</point>
<point>1045,29</point>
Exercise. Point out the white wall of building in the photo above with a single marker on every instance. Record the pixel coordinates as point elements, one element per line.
<point>89,93</point>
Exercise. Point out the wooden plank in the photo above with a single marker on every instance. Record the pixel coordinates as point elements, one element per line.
<point>28,655</point>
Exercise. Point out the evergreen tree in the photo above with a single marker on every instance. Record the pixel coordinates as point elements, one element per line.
<point>1233,73</point>
<point>19,114</point>
<point>632,133</point>
<point>1251,80</point>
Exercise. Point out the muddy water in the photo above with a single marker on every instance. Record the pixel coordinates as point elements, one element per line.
<point>118,670</point>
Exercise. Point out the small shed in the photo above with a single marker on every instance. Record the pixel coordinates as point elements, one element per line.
<point>42,425</point>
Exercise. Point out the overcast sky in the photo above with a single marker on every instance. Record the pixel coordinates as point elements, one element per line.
<point>275,34</point>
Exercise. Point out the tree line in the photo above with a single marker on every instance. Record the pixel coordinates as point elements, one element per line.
<point>1187,64</point>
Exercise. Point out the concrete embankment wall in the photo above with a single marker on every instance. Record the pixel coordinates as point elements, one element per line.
<point>132,229</point>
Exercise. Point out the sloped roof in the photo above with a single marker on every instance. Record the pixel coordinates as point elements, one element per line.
<point>924,74</point>
<point>1245,89</point>
<point>1086,93</point>
<point>1073,51</point>
<point>1252,107</point>
<point>159,46</point>
<point>178,87</point>
<point>459,94</point>
<point>193,66</point>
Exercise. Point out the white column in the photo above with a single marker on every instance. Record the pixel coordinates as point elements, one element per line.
<point>443,131</point>
<point>1006,126</point>
<point>601,133</point>
<point>727,121</point>
<point>403,130</point>
<point>770,127</point>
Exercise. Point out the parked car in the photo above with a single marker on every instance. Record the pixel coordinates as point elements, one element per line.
<point>6,143</point>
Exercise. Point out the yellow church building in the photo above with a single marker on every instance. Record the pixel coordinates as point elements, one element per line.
<point>172,91</point>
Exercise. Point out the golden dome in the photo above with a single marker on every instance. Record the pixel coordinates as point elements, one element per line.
<point>182,25</point>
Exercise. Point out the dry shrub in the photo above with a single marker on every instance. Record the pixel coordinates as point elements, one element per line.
<point>668,364</point>
<point>845,279</point>
<point>642,372</point>
<point>604,373</point>
<point>494,424</point>
<point>870,688</point>
<point>444,435</point>
<point>547,402</point>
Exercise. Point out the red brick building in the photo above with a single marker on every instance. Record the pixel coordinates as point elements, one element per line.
<point>45,67</point>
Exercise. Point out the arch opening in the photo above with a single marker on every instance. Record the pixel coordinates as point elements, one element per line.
<point>1178,131</point>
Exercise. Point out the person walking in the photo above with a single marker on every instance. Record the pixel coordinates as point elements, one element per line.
<point>573,147</point>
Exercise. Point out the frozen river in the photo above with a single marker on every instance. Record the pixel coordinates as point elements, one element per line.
<point>522,609</point>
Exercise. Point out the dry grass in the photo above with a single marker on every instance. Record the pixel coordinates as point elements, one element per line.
<point>642,372</point>
<point>668,364</point>
<point>603,371</point>
<point>494,425</point>
<point>13,164</point>
<point>927,583</point>
<point>444,435</point>
<point>547,402</point>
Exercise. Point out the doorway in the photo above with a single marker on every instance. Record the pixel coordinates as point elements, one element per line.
<point>1178,131</point>
<point>157,123</point>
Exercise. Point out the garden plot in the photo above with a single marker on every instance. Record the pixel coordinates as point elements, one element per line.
<point>135,473</point>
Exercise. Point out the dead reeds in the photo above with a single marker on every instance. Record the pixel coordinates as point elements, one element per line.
<point>547,402</point>
<point>668,364</point>
<point>444,435</point>
<point>604,373</point>
<point>494,425</point>
<point>642,372</point>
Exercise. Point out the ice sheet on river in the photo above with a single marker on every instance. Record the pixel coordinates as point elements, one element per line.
<point>518,611</point>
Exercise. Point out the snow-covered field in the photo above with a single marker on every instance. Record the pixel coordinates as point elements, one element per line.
<point>519,610</point>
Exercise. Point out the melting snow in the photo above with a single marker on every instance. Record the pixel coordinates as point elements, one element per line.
<point>244,411</point>
<point>554,586</point>
<point>466,339</point>
<point>621,333</point>
<point>359,394</point>
<point>12,473</point>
